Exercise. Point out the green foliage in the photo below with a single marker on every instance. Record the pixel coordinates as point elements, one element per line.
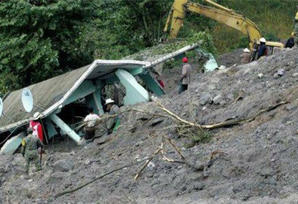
<point>125,27</point>
<point>273,17</point>
<point>205,39</point>
<point>195,135</point>
<point>40,39</point>
<point>43,38</point>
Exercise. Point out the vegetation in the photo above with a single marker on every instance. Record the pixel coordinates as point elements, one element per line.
<point>43,38</point>
<point>275,19</point>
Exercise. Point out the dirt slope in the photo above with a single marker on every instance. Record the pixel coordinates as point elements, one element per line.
<point>254,162</point>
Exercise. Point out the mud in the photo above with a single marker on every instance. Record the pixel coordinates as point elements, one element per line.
<point>254,162</point>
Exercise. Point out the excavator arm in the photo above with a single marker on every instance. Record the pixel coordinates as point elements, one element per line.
<point>218,13</point>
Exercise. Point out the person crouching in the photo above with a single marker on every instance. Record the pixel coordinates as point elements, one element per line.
<point>90,126</point>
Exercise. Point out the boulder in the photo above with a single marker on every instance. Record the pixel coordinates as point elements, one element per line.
<point>218,100</point>
<point>205,98</point>
<point>57,177</point>
<point>63,165</point>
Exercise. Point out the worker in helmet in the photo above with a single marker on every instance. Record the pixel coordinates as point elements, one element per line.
<point>296,29</point>
<point>31,148</point>
<point>37,127</point>
<point>262,50</point>
<point>185,77</point>
<point>245,56</point>
<point>114,122</point>
<point>290,42</point>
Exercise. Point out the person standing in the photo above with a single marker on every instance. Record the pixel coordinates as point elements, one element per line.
<point>262,50</point>
<point>112,123</point>
<point>185,77</point>
<point>245,56</point>
<point>37,127</point>
<point>159,80</point>
<point>290,42</point>
<point>31,148</point>
<point>90,120</point>
<point>296,29</point>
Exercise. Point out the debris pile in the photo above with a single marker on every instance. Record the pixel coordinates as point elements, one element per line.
<point>232,137</point>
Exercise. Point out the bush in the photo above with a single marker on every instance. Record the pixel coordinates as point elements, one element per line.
<point>42,38</point>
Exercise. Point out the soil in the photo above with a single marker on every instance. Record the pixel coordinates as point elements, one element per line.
<point>253,162</point>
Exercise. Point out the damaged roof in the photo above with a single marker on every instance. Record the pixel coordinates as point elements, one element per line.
<point>48,95</point>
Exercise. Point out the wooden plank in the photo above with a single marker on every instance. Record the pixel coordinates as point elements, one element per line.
<point>66,129</point>
<point>135,93</point>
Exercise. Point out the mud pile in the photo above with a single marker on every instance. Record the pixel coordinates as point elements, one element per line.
<point>255,160</point>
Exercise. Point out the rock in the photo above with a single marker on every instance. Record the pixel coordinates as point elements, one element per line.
<point>198,186</point>
<point>217,100</point>
<point>221,67</point>
<point>266,172</point>
<point>151,165</point>
<point>56,177</point>
<point>281,72</point>
<point>211,87</point>
<point>205,98</point>
<point>63,165</point>
<point>260,75</point>
<point>156,122</point>
<point>275,76</point>
<point>295,74</point>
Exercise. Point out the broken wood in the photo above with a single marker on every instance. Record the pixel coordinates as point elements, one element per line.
<point>147,162</point>
<point>220,124</point>
<point>97,178</point>
<point>176,117</point>
<point>175,147</point>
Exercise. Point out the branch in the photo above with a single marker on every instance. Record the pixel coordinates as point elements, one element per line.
<point>147,162</point>
<point>97,178</point>
<point>221,124</point>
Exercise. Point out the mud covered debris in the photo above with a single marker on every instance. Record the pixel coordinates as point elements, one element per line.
<point>255,161</point>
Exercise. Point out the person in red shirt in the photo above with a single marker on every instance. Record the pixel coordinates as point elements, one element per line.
<point>37,127</point>
<point>159,80</point>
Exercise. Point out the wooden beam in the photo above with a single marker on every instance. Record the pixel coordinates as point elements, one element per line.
<point>152,84</point>
<point>63,126</point>
<point>135,93</point>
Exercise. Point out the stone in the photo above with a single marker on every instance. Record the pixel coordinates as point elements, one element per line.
<point>295,74</point>
<point>217,100</point>
<point>156,122</point>
<point>260,75</point>
<point>266,172</point>
<point>281,72</point>
<point>63,165</point>
<point>151,165</point>
<point>56,177</point>
<point>205,98</point>
<point>198,186</point>
<point>221,67</point>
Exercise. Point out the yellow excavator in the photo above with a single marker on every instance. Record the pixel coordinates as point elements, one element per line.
<point>216,12</point>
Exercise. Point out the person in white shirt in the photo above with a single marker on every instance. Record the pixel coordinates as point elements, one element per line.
<point>90,120</point>
<point>113,123</point>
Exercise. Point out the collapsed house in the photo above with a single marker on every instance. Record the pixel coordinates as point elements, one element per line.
<point>57,98</point>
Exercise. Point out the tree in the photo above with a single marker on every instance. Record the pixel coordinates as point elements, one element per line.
<point>42,38</point>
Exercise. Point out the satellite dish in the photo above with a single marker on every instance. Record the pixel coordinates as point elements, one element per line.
<point>1,107</point>
<point>27,100</point>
